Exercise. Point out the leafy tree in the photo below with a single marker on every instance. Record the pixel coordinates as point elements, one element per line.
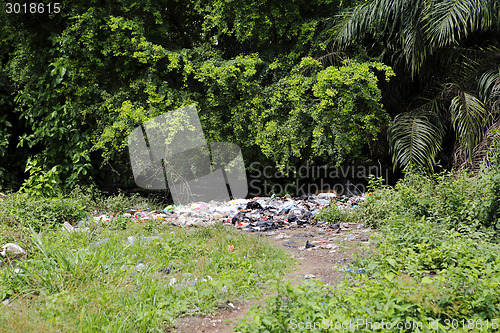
<point>332,116</point>
<point>449,49</point>
<point>81,80</point>
<point>92,60</point>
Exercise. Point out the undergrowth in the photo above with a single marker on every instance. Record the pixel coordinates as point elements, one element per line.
<point>135,280</point>
<point>434,265</point>
<point>121,275</point>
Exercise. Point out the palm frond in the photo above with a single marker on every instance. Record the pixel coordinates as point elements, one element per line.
<point>469,117</point>
<point>414,46</point>
<point>481,152</point>
<point>381,17</point>
<point>415,139</point>
<point>398,22</point>
<point>450,21</point>
<point>353,24</point>
<point>489,87</point>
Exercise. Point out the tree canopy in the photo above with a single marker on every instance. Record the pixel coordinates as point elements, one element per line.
<point>449,49</point>
<point>323,81</point>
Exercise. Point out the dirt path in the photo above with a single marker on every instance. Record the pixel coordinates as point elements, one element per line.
<point>332,252</point>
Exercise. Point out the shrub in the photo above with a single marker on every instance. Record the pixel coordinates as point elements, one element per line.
<point>332,214</point>
<point>41,212</point>
<point>436,262</point>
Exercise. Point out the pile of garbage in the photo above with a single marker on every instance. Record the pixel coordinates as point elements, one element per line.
<point>256,214</point>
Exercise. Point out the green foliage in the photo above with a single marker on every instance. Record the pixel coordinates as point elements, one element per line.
<point>41,183</point>
<point>427,26</point>
<point>5,134</point>
<point>449,49</point>
<point>120,202</point>
<point>374,183</point>
<point>415,139</point>
<point>25,209</point>
<point>331,214</point>
<point>264,24</point>
<point>434,259</point>
<point>348,118</point>
<point>418,247</point>
<point>350,113</point>
<point>459,201</point>
<point>376,207</point>
<point>72,282</point>
<point>101,71</point>
<point>283,125</point>
<point>469,117</point>
<point>459,295</point>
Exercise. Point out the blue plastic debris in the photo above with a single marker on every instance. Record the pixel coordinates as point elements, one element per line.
<point>349,270</point>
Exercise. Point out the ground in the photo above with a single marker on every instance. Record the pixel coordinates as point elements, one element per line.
<point>333,251</point>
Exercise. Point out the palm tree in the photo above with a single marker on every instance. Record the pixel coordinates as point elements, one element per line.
<point>451,48</point>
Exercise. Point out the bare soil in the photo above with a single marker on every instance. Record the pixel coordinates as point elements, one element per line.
<point>333,252</point>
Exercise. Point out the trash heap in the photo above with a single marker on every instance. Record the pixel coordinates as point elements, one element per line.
<point>256,214</point>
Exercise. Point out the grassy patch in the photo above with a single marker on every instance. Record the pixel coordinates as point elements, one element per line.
<point>435,262</point>
<point>129,276</point>
<point>19,210</point>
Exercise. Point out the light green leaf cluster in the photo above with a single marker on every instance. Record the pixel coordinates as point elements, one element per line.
<point>331,115</point>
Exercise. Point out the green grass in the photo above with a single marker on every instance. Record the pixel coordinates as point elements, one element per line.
<point>435,257</point>
<point>72,283</point>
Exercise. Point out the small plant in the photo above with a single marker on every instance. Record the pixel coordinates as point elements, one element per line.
<point>374,183</point>
<point>116,223</point>
<point>41,183</point>
<point>120,202</point>
<point>331,214</point>
<point>41,212</point>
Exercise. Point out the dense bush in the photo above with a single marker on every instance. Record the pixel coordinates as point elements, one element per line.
<point>458,201</point>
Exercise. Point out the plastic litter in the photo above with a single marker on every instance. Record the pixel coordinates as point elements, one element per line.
<point>68,227</point>
<point>167,270</point>
<point>309,245</point>
<point>327,195</point>
<point>13,251</point>
<point>198,205</point>
<point>349,270</point>
<point>102,242</point>
<point>134,239</point>
<point>253,215</point>
<point>350,237</point>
